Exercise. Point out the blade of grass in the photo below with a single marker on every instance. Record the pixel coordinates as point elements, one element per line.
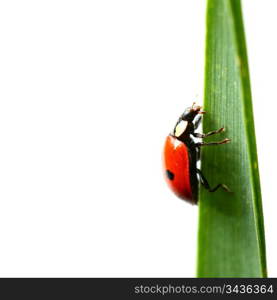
<point>231,232</point>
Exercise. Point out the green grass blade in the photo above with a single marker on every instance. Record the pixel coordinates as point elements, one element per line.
<point>231,232</point>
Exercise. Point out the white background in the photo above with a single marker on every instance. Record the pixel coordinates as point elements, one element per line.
<point>89,90</point>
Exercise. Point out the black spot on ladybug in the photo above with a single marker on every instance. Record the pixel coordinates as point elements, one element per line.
<point>170,175</point>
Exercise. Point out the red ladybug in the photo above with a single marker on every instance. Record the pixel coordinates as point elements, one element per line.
<point>181,154</point>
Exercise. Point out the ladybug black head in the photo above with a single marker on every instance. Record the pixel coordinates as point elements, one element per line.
<point>190,113</point>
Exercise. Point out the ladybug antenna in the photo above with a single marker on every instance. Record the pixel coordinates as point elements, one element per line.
<point>202,112</point>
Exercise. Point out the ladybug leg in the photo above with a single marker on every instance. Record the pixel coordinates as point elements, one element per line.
<point>201,144</point>
<point>203,135</point>
<point>197,153</point>
<point>206,185</point>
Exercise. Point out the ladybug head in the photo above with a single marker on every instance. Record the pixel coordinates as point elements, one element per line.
<point>190,113</point>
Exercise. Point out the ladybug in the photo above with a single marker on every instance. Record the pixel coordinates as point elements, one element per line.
<point>181,154</point>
